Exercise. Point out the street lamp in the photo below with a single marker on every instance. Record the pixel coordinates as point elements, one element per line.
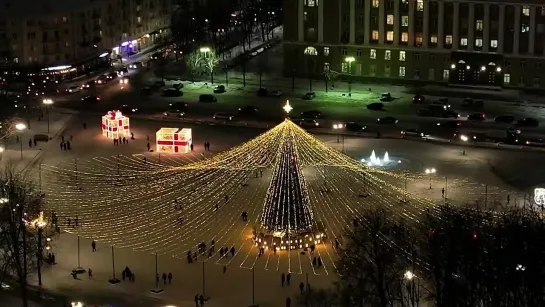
<point>409,275</point>
<point>464,139</point>
<point>349,60</point>
<point>40,225</point>
<point>47,103</point>
<point>20,127</point>
<point>430,171</point>
<point>338,128</point>
<point>204,50</point>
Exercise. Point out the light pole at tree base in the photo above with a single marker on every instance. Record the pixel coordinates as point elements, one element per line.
<point>21,127</point>
<point>349,60</point>
<point>429,172</point>
<point>47,103</point>
<point>464,139</point>
<point>338,128</point>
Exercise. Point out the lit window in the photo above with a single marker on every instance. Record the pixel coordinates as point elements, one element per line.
<point>390,19</point>
<point>326,66</point>
<point>526,10</point>
<point>524,28</point>
<point>494,43</point>
<point>326,51</point>
<point>404,21</point>
<point>139,19</point>
<point>402,56</point>
<point>433,39</point>
<point>463,41</point>
<point>506,78</point>
<point>373,54</point>
<point>376,3</point>
<point>479,42</point>
<point>418,39</point>
<point>388,55</point>
<point>479,25</point>
<point>404,37</point>
<point>446,74</point>
<point>344,67</point>
<point>311,3</point>
<point>374,35</point>
<point>390,36</point>
<point>420,5</point>
<point>402,71</point>
<point>311,51</point>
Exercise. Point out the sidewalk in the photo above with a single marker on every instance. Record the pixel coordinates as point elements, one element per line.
<point>21,154</point>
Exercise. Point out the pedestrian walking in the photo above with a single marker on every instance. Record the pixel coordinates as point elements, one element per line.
<point>301,287</point>
<point>288,302</point>
<point>196,300</point>
<point>224,269</point>
<point>164,278</point>
<point>62,138</point>
<point>62,146</point>
<point>288,278</point>
<point>201,300</point>
<point>35,142</point>
<point>314,262</point>
<point>169,278</point>
<point>148,146</point>
<point>283,279</point>
<point>443,192</point>
<point>123,275</point>
<point>319,261</point>
<point>94,246</point>
<point>233,251</point>
<point>90,273</point>
<point>124,140</point>
<point>191,146</point>
<point>132,135</point>
<point>508,199</point>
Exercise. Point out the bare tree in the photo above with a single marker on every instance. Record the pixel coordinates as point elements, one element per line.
<point>210,61</point>
<point>20,209</point>
<point>329,76</point>
<point>248,16</point>
<point>194,64</point>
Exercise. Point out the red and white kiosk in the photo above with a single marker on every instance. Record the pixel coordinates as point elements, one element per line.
<point>115,125</point>
<point>174,140</point>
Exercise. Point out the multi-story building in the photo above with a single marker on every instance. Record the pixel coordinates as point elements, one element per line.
<point>483,43</point>
<point>52,34</point>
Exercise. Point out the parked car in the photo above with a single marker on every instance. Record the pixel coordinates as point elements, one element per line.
<point>159,83</point>
<point>376,106</point>
<point>388,120</point>
<point>277,93</point>
<point>411,132</point>
<point>451,114</point>
<point>419,99</point>
<point>173,113</point>
<point>309,96</point>
<point>172,92</point>
<point>103,79</point>
<point>308,123</point>
<point>180,105</point>
<point>219,89</point>
<point>207,98</point>
<point>73,89</point>
<point>178,85</point>
<point>311,114</point>
<point>87,85</point>
<point>91,98</point>
<point>476,116</point>
<point>262,92</point>
<point>451,124</point>
<point>425,112</point>
<point>224,116</point>
<point>385,97</point>
<point>248,110</point>
<point>112,75</point>
<point>354,127</point>
<point>156,56</point>
<point>506,119</point>
<point>122,71</point>
<point>527,122</point>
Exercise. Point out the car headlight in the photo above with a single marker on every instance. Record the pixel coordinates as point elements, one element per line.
<point>165,114</point>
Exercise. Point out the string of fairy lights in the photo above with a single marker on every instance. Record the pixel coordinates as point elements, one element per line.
<point>168,205</point>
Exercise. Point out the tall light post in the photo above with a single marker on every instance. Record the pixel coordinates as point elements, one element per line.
<point>21,127</point>
<point>464,139</point>
<point>40,225</point>
<point>47,103</point>
<point>429,172</point>
<point>349,60</point>
<point>338,128</point>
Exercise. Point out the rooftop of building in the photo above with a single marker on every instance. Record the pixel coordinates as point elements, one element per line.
<point>27,8</point>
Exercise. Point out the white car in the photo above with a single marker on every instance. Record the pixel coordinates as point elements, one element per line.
<point>223,115</point>
<point>123,80</point>
<point>412,132</point>
<point>173,114</point>
<point>73,89</point>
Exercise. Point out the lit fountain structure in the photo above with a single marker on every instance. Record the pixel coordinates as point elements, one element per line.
<point>376,161</point>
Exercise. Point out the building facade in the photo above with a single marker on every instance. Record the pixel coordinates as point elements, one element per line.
<point>474,43</point>
<point>62,33</point>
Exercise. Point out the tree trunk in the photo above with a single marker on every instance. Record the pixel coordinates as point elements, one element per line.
<point>325,85</point>
<point>212,77</point>
<point>244,74</point>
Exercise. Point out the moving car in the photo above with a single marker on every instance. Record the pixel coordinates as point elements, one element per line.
<point>135,65</point>
<point>73,89</point>
<point>308,123</point>
<point>248,110</point>
<point>126,109</point>
<point>122,71</point>
<point>312,114</point>
<point>172,92</point>
<point>506,119</point>
<point>476,116</point>
<point>219,89</point>
<point>537,142</point>
<point>224,116</point>
<point>451,114</point>
<point>418,98</point>
<point>124,80</point>
<point>354,127</point>
<point>411,132</point>
<point>103,79</point>
<point>527,122</point>
<point>385,97</point>
<point>451,124</point>
<point>376,106</point>
<point>91,98</point>
<point>180,105</point>
<point>207,98</point>
<point>87,85</point>
<point>173,113</point>
<point>388,120</point>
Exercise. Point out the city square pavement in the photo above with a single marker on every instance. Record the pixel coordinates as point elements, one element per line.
<point>119,219</point>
